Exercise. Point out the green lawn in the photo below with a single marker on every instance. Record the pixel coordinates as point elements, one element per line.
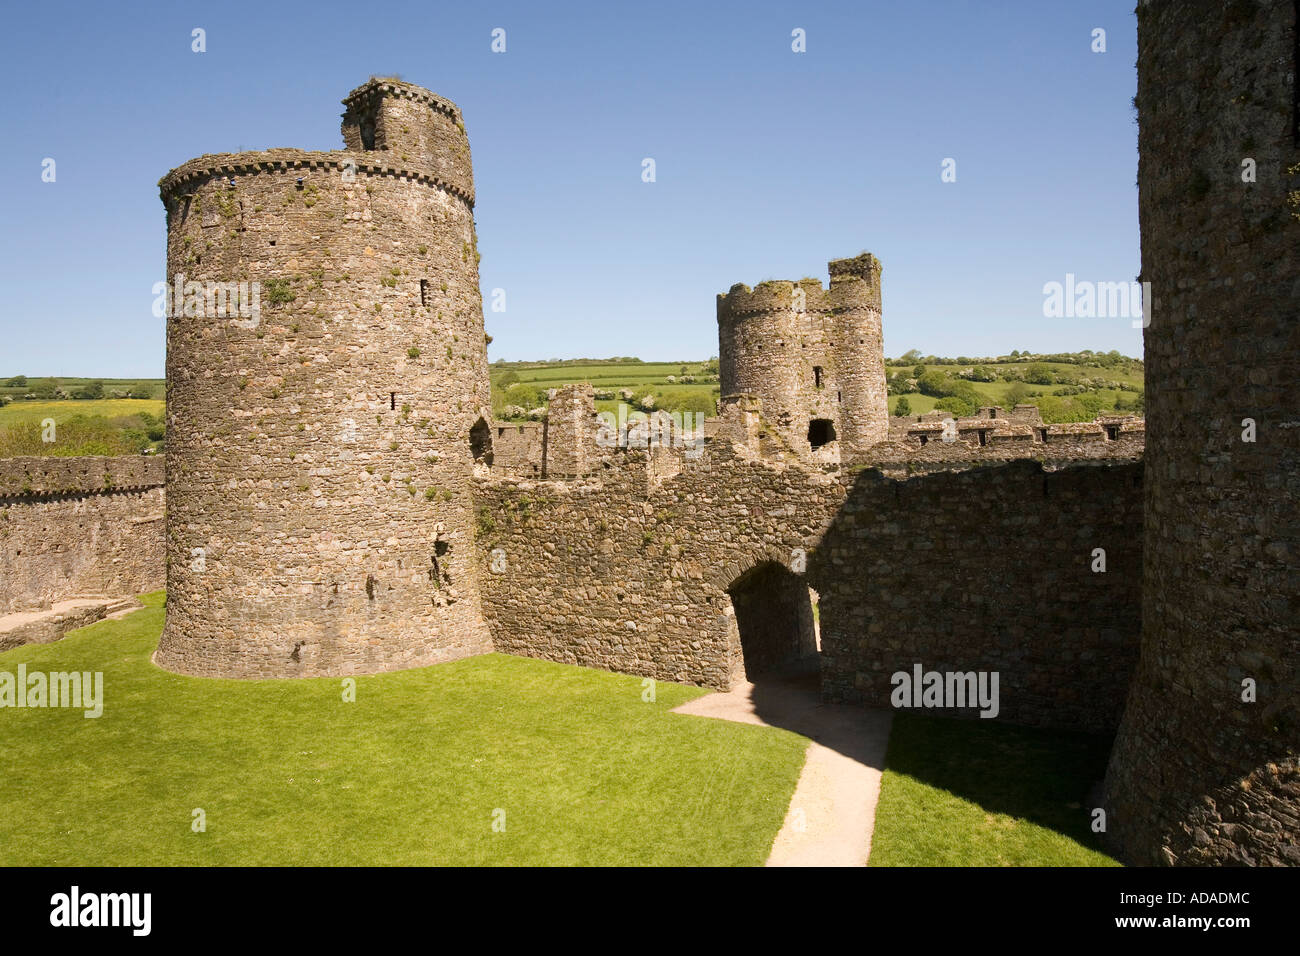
<point>984,793</point>
<point>411,773</point>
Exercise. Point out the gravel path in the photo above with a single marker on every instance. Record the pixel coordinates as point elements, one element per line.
<point>833,809</point>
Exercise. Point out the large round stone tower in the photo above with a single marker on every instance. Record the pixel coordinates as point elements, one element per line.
<point>327,399</point>
<point>814,356</point>
<point>1204,769</point>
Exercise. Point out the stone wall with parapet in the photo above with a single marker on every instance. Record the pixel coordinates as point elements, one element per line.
<point>36,476</point>
<point>628,569</point>
<point>79,526</point>
<point>931,441</point>
<point>576,442</point>
<point>573,440</point>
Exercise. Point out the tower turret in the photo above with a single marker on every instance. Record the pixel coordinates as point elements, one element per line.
<point>323,432</point>
<point>814,356</point>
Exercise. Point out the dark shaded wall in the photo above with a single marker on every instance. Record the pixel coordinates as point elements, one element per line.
<point>988,570</point>
<point>1199,776</point>
<point>774,619</point>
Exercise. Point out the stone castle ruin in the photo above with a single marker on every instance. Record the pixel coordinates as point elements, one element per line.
<point>814,356</point>
<point>340,501</point>
<point>319,476</point>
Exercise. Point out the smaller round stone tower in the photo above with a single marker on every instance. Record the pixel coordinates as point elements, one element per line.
<point>814,356</point>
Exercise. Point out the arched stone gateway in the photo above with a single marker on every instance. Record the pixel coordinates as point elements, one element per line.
<point>771,626</point>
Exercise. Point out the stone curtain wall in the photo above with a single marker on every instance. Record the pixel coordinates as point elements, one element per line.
<point>1199,776</point>
<point>319,499</point>
<point>628,573</point>
<point>988,569</point>
<point>1063,448</point>
<point>79,526</point>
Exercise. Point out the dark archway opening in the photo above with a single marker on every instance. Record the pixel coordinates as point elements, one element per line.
<point>821,431</point>
<point>774,619</point>
<point>480,442</point>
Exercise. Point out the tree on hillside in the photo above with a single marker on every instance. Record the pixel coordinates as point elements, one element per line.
<point>904,407</point>
<point>958,406</point>
<point>1017,393</point>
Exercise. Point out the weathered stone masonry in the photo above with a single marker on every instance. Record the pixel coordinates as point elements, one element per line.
<point>813,356</point>
<point>1197,775</point>
<point>990,569</point>
<point>319,513</point>
<point>986,569</point>
<point>71,527</point>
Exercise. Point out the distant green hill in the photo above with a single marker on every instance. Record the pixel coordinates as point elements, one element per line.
<point>113,416</point>
<point>1073,386</point>
<point>47,388</point>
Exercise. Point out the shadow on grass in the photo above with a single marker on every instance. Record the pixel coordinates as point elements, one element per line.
<point>1041,777</point>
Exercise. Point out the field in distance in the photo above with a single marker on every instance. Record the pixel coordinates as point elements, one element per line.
<point>126,416</point>
<point>1067,387</point>
<point>520,388</point>
<point>90,416</point>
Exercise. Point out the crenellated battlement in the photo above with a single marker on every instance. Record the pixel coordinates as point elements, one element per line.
<point>35,477</point>
<point>796,296</point>
<point>575,441</point>
<point>378,87</point>
<point>187,176</point>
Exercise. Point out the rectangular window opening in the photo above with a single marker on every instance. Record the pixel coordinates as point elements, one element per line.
<point>424,292</point>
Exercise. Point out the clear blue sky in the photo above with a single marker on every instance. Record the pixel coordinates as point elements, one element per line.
<point>769,163</point>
